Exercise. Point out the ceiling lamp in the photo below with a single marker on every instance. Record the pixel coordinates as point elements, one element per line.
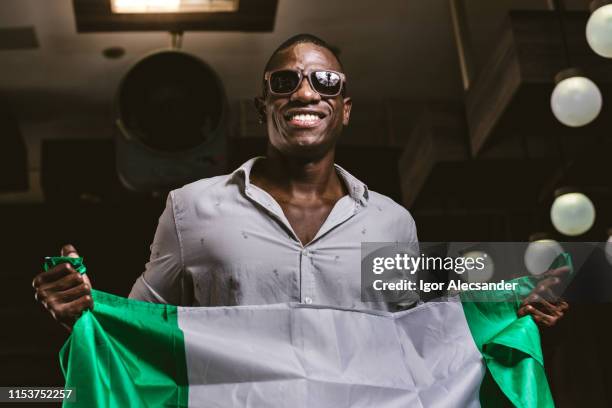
<point>540,253</point>
<point>576,100</point>
<point>173,6</point>
<point>599,28</point>
<point>572,213</point>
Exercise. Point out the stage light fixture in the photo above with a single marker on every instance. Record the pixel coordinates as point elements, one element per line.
<point>172,121</point>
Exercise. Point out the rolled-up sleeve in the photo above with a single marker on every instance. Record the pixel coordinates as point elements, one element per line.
<point>163,278</point>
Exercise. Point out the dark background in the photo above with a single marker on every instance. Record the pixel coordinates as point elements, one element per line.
<point>114,240</point>
<point>479,164</point>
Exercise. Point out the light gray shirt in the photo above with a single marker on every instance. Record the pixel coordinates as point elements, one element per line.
<point>223,241</point>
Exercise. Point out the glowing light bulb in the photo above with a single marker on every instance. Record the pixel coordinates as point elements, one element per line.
<point>572,214</point>
<point>475,275</point>
<point>540,254</point>
<point>608,250</point>
<point>599,31</point>
<point>173,6</point>
<point>576,101</point>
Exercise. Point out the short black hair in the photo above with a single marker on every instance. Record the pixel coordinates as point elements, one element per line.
<point>304,38</point>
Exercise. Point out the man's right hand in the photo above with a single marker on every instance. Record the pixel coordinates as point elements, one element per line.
<point>63,291</point>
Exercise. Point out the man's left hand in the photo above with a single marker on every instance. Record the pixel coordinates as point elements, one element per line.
<point>544,303</point>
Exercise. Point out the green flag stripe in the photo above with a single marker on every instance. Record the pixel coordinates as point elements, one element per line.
<point>133,355</point>
<point>510,346</point>
<point>512,353</point>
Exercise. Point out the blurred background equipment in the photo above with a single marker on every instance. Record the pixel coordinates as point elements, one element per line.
<point>171,115</point>
<point>77,171</point>
<point>13,154</point>
<point>18,38</point>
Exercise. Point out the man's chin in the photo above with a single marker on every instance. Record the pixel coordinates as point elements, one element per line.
<point>305,139</point>
<point>303,143</point>
<point>306,147</point>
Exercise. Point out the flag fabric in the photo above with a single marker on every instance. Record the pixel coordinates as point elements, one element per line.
<point>467,351</point>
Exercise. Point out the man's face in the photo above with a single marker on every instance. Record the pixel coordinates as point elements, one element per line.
<point>304,123</point>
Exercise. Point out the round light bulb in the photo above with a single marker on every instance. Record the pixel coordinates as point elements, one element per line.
<point>479,275</point>
<point>572,214</point>
<point>609,250</point>
<point>576,101</point>
<point>599,31</point>
<point>540,254</point>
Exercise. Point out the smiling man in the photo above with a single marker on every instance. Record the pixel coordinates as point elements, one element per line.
<point>283,229</point>
<point>286,227</point>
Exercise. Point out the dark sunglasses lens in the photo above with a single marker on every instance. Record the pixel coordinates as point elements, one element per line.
<point>326,82</point>
<point>284,81</point>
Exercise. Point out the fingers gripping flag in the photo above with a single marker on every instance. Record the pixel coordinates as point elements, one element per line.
<point>464,352</point>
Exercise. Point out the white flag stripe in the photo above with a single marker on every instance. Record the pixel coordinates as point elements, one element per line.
<point>310,356</point>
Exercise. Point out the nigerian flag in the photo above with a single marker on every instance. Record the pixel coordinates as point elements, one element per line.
<point>464,352</point>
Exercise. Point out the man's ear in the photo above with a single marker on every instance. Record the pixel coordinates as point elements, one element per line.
<point>346,114</point>
<point>260,107</point>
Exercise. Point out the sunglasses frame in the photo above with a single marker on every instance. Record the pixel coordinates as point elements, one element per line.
<point>301,75</point>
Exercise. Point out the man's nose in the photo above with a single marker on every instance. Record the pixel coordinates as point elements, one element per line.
<point>304,93</point>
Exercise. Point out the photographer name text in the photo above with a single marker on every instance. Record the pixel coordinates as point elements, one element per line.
<point>452,285</point>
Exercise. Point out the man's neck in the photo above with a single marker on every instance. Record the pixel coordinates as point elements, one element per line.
<point>300,178</point>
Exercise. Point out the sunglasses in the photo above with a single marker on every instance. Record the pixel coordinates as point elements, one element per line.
<point>324,82</point>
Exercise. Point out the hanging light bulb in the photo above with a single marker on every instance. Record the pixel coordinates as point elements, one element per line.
<point>540,253</point>
<point>599,28</point>
<point>608,247</point>
<point>572,213</point>
<point>479,275</point>
<point>576,100</point>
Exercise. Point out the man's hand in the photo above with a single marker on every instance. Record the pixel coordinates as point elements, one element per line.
<point>544,303</point>
<point>63,291</point>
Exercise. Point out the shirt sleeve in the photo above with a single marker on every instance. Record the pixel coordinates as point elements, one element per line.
<point>407,236</point>
<point>163,278</point>
<point>409,230</point>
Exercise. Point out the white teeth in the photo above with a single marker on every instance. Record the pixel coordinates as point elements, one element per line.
<point>305,117</point>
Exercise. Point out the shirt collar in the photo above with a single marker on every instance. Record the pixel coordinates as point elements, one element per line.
<point>357,190</point>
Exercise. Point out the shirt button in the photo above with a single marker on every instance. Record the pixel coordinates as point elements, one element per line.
<point>307,300</point>
<point>305,252</point>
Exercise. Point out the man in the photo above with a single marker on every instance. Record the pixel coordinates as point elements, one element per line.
<point>284,228</point>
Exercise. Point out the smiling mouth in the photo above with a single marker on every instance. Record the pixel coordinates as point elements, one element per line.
<point>304,120</point>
